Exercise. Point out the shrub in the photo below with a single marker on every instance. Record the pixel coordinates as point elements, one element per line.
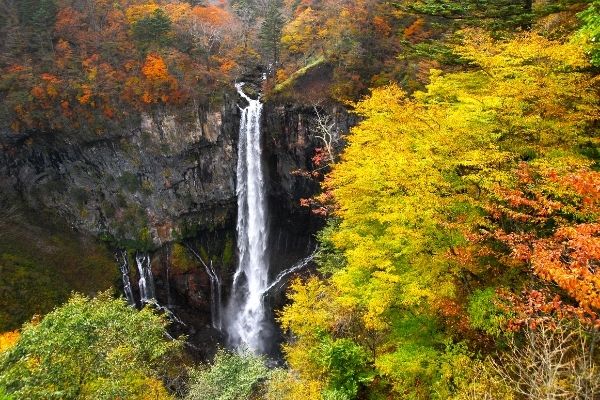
<point>231,376</point>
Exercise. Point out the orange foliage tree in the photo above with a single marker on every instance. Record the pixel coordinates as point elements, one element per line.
<point>8,340</point>
<point>548,224</point>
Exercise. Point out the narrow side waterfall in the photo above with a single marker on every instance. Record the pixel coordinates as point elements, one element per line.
<point>283,275</point>
<point>247,318</point>
<point>215,290</point>
<point>123,261</point>
<point>146,282</point>
<point>216,308</point>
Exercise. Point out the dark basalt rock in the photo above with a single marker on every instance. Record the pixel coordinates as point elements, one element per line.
<point>172,174</point>
<point>169,177</point>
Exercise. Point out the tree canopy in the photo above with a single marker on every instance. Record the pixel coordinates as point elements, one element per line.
<point>97,348</point>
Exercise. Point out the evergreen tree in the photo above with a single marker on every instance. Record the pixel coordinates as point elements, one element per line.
<point>153,29</point>
<point>38,18</point>
<point>270,31</point>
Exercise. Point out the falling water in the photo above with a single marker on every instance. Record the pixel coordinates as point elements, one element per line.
<point>247,319</point>
<point>146,282</point>
<point>215,290</point>
<point>124,267</point>
<point>284,274</point>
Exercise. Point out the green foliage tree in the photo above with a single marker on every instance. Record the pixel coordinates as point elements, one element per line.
<point>39,14</point>
<point>231,376</point>
<point>38,17</point>
<point>96,348</point>
<point>590,30</point>
<point>4,395</point>
<point>345,365</point>
<point>485,312</point>
<point>154,29</point>
<point>496,14</point>
<point>270,31</point>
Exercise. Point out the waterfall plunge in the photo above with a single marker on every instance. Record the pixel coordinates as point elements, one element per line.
<point>247,318</point>
<point>146,282</point>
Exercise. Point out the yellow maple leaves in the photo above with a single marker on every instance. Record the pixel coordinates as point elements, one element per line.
<point>8,340</point>
<point>137,12</point>
<point>413,184</point>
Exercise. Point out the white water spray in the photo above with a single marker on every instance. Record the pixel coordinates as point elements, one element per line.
<point>146,282</point>
<point>247,319</point>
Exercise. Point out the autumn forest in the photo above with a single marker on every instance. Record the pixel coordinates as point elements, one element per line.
<point>445,153</point>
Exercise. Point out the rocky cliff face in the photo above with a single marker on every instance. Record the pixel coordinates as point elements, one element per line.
<point>171,178</point>
<point>173,172</point>
<point>290,132</point>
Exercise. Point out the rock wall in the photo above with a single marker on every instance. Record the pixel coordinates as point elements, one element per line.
<point>291,132</point>
<point>172,174</point>
<point>170,178</point>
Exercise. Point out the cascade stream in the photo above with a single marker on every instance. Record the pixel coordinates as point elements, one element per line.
<point>146,282</point>
<point>283,275</point>
<point>124,267</point>
<point>215,290</point>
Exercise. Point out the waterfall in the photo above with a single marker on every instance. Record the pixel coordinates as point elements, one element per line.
<point>146,282</point>
<point>215,290</point>
<point>216,308</point>
<point>284,274</point>
<point>247,317</point>
<point>124,267</point>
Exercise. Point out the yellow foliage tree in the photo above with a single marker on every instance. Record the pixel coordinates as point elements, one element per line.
<point>137,12</point>
<point>413,184</point>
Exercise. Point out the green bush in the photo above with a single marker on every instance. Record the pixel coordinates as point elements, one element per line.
<point>27,288</point>
<point>590,30</point>
<point>484,312</point>
<point>232,376</point>
<point>228,252</point>
<point>346,366</point>
<point>90,349</point>
<point>181,260</point>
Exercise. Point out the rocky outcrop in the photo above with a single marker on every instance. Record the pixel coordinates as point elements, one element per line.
<point>291,132</point>
<point>169,176</point>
